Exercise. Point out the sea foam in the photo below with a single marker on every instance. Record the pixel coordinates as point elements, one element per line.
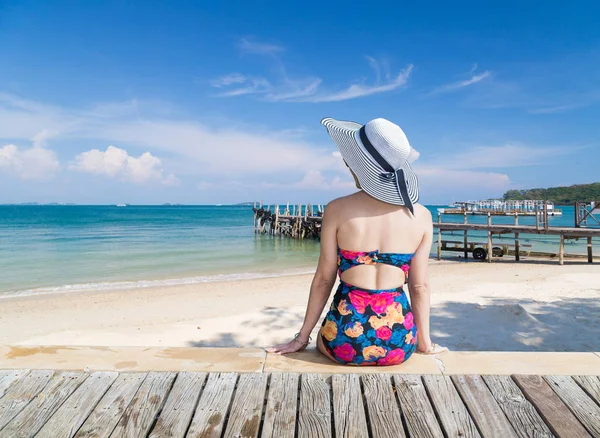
<point>142,284</point>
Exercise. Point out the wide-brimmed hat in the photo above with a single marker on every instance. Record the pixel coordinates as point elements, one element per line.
<point>379,154</point>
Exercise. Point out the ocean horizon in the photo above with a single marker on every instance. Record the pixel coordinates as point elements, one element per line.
<point>69,248</point>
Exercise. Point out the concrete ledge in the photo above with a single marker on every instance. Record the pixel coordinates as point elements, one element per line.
<point>312,361</point>
<point>254,360</point>
<point>243,360</point>
<point>500,362</point>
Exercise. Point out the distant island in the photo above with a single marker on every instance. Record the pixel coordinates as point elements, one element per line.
<point>37,203</point>
<point>558,195</point>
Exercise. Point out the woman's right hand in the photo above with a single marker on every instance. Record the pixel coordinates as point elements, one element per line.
<point>292,346</point>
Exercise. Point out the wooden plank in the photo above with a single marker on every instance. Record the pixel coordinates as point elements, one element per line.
<point>109,410</point>
<point>591,385</point>
<point>348,408</point>
<point>557,416</point>
<point>314,413</point>
<point>416,409</point>
<point>18,395</point>
<point>382,407</point>
<point>141,412</point>
<point>72,413</point>
<point>247,406</point>
<point>584,408</point>
<point>176,415</point>
<point>522,415</point>
<point>280,414</point>
<point>8,377</point>
<point>31,419</point>
<point>209,417</point>
<point>482,406</point>
<point>451,411</point>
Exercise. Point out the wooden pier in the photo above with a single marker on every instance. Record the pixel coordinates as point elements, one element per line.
<point>540,228</point>
<point>299,223</point>
<point>66,404</point>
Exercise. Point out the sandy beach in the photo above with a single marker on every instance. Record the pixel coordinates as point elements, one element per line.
<point>503,306</point>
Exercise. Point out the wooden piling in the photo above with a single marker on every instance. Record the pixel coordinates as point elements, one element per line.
<point>517,255</point>
<point>439,242</point>
<point>466,240</point>
<point>489,243</point>
<point>561,250</point>
<point>299,226</point>
<point>589,250</point>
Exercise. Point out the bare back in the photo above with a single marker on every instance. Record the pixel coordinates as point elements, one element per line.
<point>363,223</point>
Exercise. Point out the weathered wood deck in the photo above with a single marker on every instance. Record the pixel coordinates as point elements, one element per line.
<point>196,404</point>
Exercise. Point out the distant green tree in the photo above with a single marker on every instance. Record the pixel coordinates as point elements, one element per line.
<point>558,195</point>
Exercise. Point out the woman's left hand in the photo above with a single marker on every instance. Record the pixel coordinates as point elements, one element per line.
<point>289,347</point>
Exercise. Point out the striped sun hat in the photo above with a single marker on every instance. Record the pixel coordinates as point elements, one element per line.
<point>379,154</point>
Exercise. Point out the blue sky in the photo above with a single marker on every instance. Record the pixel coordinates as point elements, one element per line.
<point>191,102</point>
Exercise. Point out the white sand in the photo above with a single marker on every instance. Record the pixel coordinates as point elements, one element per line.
<point>475,306</point>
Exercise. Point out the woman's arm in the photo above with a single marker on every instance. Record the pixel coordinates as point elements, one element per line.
<point>321,286</point>
<point>418,286</point>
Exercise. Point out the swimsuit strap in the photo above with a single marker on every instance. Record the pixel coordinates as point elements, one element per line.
<point>349,259</point>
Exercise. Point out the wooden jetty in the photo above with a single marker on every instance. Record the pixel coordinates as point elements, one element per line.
<point>66,404</point>
<point>302,222</point>
<point>540,228</point>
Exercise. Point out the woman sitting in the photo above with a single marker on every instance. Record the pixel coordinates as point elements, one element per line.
<point>376,240</point>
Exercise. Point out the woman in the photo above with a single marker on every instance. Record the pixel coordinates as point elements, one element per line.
<point>372,239</point>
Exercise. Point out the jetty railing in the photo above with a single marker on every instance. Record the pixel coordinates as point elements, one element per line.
<point>587,214</point>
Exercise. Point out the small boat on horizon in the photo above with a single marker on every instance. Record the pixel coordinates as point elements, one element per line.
<point>121,205</point>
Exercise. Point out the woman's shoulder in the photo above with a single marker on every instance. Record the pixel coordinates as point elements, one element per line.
<point>422,212</point>
<point>341,202</point>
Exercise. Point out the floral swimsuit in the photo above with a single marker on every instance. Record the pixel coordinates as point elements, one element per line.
<point>369,326</point>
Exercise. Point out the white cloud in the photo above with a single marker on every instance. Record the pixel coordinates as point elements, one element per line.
<point>204,185</point>
<point>231,149</point>
<point>362,90</point>
<point>475,183</point>
<point>475,78</point>
<point>247,45</point>
<point>171,180</point>
<point>117,163</point>
<point>309,89</point>
<point>233,78</point>
<point>33,163</point>
<point>234,152</point>
<point>250,86</point>
<point>316,180</point>
<point>508,155</point>
<point>294,90</point>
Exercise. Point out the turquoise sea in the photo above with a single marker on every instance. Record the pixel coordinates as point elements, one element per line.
<point>45,249</point>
